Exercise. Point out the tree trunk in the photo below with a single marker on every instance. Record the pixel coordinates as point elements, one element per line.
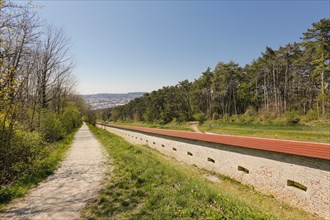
<point>275,89</point>
<point>322,93</point>
<point>285,99</point>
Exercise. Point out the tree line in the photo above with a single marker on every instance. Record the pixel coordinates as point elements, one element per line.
<point>294,78</point>
<point>37,101</point>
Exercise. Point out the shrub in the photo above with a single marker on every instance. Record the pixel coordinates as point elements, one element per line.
<point>235,118</point>
<point>51,126</point>
<point>137,117</point>
<point>249,115</point>
<point>182,117</point>
<point>70,118</point>
<point>250,111</point>
<point>311,115</point>
<point>23,149</point>
<point>200,117</point>
<point>292,117</point>
<point>266,116</point>
<point>226,117</point>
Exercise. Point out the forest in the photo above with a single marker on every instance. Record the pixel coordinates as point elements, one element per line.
<point>291,81</point>
<point>37,102</point>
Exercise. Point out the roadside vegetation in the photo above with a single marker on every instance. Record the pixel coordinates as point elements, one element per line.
<point>287,87</point>
<point>45,163</point>
<point>145,184</point>
<point>38,109</point>
<point>316,131</point>
<point>174,125</point>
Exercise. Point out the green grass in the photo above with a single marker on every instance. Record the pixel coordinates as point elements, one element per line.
<point>145,184</point>
<point>40,170</point>
<point>299,132</point>
<point>183,126</point>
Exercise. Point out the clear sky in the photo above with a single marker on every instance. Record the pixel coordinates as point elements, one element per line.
<point>131,46</point>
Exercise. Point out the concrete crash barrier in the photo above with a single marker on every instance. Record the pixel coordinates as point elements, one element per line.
<point>297,173</point>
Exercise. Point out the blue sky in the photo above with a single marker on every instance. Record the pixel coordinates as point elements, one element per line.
<point>129,46</point>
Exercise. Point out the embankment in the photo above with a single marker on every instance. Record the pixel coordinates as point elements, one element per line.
<point>296,173</point>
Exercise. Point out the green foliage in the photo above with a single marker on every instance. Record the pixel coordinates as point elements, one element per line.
<point>200,117</point>
<point>51,126</point>
<point>18,154</point>
<point>70,118</point>
<point>315,131</point>
<point>226,117</point>
<point>266,116</point>
<point>173,125</point>
<point>22,152</point>
<point>32,97</point>
<point>181,118</point>
<point>249,115</point>
<point>311,115</point>
<point>317,44</point>
<point>91,117</point>
<point>250,112</point>
<point>236,118</point>
<point>292,117</point>
<point>43,160</point>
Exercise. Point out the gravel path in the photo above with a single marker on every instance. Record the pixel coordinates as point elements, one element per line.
<point>194,126</point>
<point>65,193</point>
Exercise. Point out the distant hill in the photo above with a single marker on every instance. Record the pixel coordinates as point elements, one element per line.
<point>107,100</point>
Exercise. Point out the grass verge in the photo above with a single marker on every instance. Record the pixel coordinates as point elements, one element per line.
<point>182,126</point>
<point>148,185</point>
<point>296,132</point>
<point>53,154</point>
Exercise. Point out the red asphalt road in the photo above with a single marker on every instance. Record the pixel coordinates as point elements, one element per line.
<point>306,149</point>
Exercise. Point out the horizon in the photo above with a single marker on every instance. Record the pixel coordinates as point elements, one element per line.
<point>115,93</point>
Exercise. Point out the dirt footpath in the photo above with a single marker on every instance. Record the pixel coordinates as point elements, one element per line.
<point>194,126</point>
<point>66,192</point>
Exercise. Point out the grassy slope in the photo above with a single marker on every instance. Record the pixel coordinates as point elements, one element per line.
<point>147,185</point>
<point>184,126</point>
<point>41,170</point>
<point>299,132</point>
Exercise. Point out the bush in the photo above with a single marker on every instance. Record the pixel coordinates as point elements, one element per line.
<point>292,117</point>
<point>311,115</point>
<point>266,116</point>
<point>91,118</point>
<point>250,111</point>
<point>39,162</point>
<point>182,118</point>
<point>225,117</point>
<point>235,118</point>
<point>70,118</point>
<point>23,149</point>
<point>200,117</point>
<point>51,127</point>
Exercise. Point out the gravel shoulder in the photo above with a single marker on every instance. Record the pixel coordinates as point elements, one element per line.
<point>65,193</point>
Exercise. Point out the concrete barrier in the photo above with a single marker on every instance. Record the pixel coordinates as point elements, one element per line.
<point>301,181</point>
